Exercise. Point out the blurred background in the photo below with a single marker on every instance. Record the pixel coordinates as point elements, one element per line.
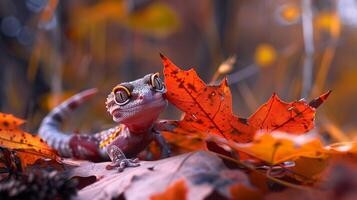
<point>51,49</point>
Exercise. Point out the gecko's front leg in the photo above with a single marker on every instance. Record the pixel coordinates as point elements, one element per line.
<point>165,150</point>
<point>119,160</point>
<point>160,126</point>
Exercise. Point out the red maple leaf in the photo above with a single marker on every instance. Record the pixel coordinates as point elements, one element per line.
<point>208,108</point>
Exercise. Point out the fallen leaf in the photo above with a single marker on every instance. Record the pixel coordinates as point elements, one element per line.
<point>274,148</point>
<point>20,140</point>
<point>311,158</point>
<point>176,191</point>
<point>340,183</point>
<point>242,192</point>
<point>308,170</point>
<point>296,194</point>
<point>202,171</point>
<point>342,147</point>
<point>26,159</point>
<point>180,143</point>
<point>25,143</point>
<point>343,150</point>
<point>8,121</point>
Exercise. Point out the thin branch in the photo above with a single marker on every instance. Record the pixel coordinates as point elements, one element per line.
<point>242,74</point>
<point>252,168</point>
<point>308,35</point>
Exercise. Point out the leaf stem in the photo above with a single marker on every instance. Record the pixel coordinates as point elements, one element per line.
<point>285,183</point>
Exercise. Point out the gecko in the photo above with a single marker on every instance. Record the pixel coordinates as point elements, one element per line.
<point>134,105</point>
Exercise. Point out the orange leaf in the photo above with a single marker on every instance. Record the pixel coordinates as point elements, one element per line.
<point>276,115</point>
<point>342,147</point>
<point>180,139</point>
<point>337,151</point>
<point>177,191</point>
<point>27,158</point>
<point>8,121</point>
<point>208,109</point>
<point>180,143</point>
<point>308,170</point>
<point>275,148</point>
<point>13,138</point>
<point>20,140</point>
<point>241,192</point>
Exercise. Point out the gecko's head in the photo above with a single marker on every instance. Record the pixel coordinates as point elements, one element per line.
<point>139,101</point>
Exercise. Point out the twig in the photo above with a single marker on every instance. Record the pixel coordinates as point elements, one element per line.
<point>326,61</point>
<point>224,68</point>
<point>329,53</point>
<point>242,74</point>
<point>308,35</point>
<point>249,167</point>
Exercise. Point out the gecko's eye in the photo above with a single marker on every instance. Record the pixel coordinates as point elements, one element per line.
<point>156,83</point>
<point>121,95</point>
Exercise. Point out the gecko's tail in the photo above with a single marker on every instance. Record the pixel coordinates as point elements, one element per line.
<point>51,124</point>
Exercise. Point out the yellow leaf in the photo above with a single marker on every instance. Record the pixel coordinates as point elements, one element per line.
<point>275,148</point>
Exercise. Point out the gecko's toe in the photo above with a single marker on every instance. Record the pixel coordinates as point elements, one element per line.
<point>131,164</point>
<point>134,160</point>
<point>121,165</point>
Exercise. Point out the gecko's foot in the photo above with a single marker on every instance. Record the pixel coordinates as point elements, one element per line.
<point>119,160</point>
<point>124,163</point>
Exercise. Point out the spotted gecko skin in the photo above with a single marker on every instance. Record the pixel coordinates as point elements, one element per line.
<point>135,106</point>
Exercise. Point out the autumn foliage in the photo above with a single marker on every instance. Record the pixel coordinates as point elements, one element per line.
<point>273,139</point>
<point>208,108</point>
<point>29,147</point>
<point>176,191</point>
<point>273,145</point>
